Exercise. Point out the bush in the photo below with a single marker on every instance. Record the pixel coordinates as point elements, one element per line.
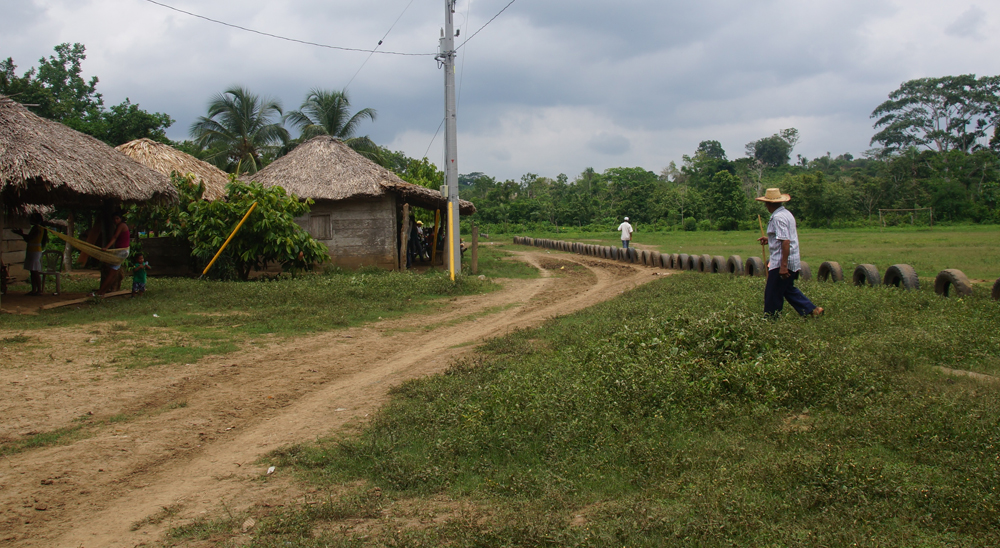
<point>704,225</point>
<point>689,224</point>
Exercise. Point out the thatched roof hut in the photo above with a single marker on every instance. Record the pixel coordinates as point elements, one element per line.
<point>324,168</point>
<point>44,162</point>
<point>167,159</point>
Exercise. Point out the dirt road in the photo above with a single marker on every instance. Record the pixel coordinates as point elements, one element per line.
<point>180,442</point>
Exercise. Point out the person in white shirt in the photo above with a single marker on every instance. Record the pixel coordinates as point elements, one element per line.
<point>626,230</point>
<point>784,264</point>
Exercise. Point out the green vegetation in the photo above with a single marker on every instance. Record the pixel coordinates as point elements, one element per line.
<point>972,249</point>
<point>676,415</point>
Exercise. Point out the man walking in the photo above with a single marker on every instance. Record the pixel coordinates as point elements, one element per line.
<point>783,265</point>
<point>626,230</point>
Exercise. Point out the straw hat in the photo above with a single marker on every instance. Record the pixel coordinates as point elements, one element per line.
<point>773,195</point>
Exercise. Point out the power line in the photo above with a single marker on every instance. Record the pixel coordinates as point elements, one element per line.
<point>484,26</point>
<point>429,145</point>
<point>379,44</point>
<point>279,37</point>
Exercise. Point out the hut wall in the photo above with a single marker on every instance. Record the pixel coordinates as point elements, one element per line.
<point>166,256</point>
<point>12,246</point>
<point>357,232</point>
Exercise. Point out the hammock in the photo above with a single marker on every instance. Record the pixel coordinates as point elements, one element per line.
<point>109,256</point>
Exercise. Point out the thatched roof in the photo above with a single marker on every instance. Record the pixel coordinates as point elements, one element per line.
<point>324,168</point>
<point>167,159</point>
<point>46,163</point>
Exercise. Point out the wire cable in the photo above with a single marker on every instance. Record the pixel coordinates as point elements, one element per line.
<point>429,145</point>
<point>461,77</point>
<point>279,37</point>
<point>482,27</point>
<point>377,46</point>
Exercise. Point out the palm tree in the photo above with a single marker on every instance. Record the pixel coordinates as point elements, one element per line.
<point>240,125</point>
<point>329,113</point>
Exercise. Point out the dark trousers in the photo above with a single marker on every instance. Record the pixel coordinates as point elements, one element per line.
<point>625,244</point>
<point>779,289</point>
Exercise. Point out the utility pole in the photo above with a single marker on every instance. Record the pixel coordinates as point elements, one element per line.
<point>446,57</point>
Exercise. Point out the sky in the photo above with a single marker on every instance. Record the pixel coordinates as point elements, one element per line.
<point>547,87</point>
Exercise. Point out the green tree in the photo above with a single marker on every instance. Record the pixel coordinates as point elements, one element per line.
<point>711,149</point>
<point>270,234</point>
<point>727,203</point>
<point>329,113</point>
<point>775,150</point>
<point>242,126</point>
<point>941,114</point>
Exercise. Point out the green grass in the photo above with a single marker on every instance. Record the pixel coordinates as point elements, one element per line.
<point>495,261</point>
<point>676,415</point>
<point>181,320</point>
<point>973,249</point>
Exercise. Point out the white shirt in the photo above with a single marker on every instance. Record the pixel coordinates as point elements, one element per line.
<point>782,227</point>
<point>626,230</point>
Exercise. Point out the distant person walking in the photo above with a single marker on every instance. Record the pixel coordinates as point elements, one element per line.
<point>784,264</point>
<point>626,230</point>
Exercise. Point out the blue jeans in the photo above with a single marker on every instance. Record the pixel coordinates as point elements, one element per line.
<point>778,290</point>
<point>624,244</point>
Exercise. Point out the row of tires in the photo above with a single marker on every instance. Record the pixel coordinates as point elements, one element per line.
<point>947,282</point>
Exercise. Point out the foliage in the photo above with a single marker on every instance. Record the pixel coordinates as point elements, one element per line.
<point>241,126</point>
<point>942,114</point>
<point>727,202</point>
<point>775,150</point>
<point>269,235</point>
<point>329,113</point>
<point>57,91</point>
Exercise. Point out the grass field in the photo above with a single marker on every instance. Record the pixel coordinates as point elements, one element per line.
<point>676,415</point>
<point>973,249</point>
<point>182,319</point>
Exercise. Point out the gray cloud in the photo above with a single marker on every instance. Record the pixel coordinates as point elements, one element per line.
<point>548,87</point>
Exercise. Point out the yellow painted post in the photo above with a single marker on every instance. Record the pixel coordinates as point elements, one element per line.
<point>451,241</point>
<point>235,230</point>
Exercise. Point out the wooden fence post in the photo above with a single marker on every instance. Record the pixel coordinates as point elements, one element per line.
<point>404,237</point>
<point>475,249</point>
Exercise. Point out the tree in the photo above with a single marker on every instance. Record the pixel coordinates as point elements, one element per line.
<point>57,91</point>
<point>775,150</point>
<point>711,149</point>
<point>726,200</point>
<point>942,114</point>
<point>241,125</point>
<point>269,235</point>
<point>329,113</point>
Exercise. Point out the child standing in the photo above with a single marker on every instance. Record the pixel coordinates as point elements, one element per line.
<point>139,275</point>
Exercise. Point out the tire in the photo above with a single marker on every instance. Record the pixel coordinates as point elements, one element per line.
<point>734,265</point>
<point>674,261</point>
<point>633,255</point>
<point>755,267</point>
<point>996,290</point>
<point>866,274</point>
<point>643,258</point>
<point>718,265</point>
<point>655,259</point>
<point>682,261</point>
<point>901,275</point>
<point>952,280</point>
<point>706,263</point>
<point>694,263</point>
<point>830,270</point>
<point>805,273</point>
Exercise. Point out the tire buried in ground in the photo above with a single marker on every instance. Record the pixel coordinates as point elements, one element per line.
<point>694,263</point>
<point>643,258</point>
<point>655,259</point>
<point>682,261</point>
<point>952,280</point>
<point>718,265</point>
<point>805,273</point>
<point>866,274</point>
<point>901,275</point>
<point>734,265</point>
<point>706,263</point>
<point>755,267</point>
<point>830,270</point>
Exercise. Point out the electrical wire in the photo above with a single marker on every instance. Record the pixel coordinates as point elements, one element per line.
<point>461,77</point>
<point>482,27</point>
<point>279,37</point>
<point>429,145</point>
<point>379,44</point>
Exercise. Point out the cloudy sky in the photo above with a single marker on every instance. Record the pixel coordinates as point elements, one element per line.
<point>550,86</point>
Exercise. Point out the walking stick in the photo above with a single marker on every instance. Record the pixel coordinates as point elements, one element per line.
<point>763,248</point>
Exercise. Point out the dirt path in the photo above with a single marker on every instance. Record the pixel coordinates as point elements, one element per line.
<point>194,432</point>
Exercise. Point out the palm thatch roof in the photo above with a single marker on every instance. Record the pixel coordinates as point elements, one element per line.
<point>46,163</point>
<point>324,168</point>
<point>167,159</point>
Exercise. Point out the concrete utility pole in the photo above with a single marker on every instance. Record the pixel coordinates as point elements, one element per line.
<point>446,57</point>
